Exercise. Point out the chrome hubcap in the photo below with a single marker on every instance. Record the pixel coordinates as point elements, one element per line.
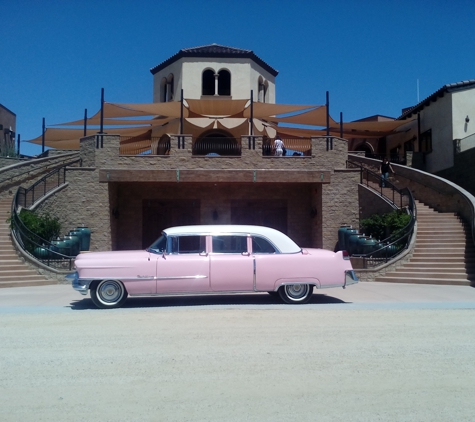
<point>297,291</point>
<point>110,291</point>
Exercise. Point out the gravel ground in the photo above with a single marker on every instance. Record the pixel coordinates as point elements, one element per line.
<point>228,364</point>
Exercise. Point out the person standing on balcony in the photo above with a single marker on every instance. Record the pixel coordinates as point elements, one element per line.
<point>385,168</point>
<point>279,147</point>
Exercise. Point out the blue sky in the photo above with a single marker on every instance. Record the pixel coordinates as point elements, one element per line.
<point>57,55</point>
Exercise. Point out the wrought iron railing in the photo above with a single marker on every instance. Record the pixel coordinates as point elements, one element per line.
<point>217,146</point>
<point>294,147</point>
<point>59,163</point>
<point>43,250</point>
<point>371,179</point>
<point>391,247</point>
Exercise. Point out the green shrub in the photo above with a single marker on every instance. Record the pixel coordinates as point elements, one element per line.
<point>385,225</point>
<point>44,226</point>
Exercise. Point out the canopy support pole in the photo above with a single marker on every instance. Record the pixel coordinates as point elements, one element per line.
<point>341,125</point>
<point>18,145</point>
<point>43,137</point>
<point>101,131</point>
<point>85,121</point>
<point>251,132</point>
<point>181,113</point>
<point>327,104</point>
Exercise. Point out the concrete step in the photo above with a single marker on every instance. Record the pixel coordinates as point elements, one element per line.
<point>30,277</point>
<point>439,270</point>
<point>441,251</point>
<point>425,280</point>
<point>6,275</point>
<point>445,240</point>
<point>430,274</point>
<point>437,265</point>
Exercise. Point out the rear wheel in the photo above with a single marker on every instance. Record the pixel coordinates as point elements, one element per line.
<point>109,294</point>
<point>296,293</point>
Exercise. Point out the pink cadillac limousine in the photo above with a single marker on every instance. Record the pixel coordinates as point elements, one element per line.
<point>210,259</point>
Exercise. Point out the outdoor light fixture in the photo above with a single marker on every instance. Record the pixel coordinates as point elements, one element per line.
<point>467,119</point>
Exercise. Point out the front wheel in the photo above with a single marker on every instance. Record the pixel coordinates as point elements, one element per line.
<point>109,294</point>
<point>296,293</point>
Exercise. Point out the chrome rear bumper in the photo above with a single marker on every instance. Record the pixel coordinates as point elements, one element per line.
<point>350,278</point>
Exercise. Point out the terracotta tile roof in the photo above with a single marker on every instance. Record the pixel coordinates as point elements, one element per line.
<point>214,51</point>
<point>463,85</point>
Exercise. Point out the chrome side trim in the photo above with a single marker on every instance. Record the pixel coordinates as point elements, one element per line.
<point>182,277</point>
<point>254,282</point>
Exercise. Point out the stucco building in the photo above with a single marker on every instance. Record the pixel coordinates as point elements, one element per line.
<point>7,131</point>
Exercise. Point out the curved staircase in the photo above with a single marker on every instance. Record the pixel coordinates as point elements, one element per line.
<point>13,271</point>
<point>444,252</point>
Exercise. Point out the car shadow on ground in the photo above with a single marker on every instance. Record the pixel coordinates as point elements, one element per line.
<point>204,300</point>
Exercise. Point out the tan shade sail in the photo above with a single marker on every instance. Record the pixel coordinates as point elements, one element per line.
<point>69,138</point>
<point>314,117</point>
<point>382,126</point>
<point>299,132</point>
<point>170,109</point>
<point>95,121</point>
<point>266,110</point>
<point>216,107</point>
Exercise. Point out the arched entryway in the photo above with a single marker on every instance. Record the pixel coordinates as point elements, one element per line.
<point>217,142</point>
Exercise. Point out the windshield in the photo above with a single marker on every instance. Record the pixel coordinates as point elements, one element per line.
<point>159,246</point>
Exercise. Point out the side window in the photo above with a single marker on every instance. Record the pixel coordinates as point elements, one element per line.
<point>187,244</point>
<point>229,244</point>
<point>224,82</point>
<point>261,245</point>
<point>207,83</point>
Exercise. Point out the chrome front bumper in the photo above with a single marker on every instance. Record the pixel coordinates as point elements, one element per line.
<point>82,286</point>
<point>350,278</point>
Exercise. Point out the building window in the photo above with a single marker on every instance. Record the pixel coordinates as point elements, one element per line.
<point>166,89</point>
<point>224,83</point>
<point>163,90</point>
<point>262,90</point>
<point>208,82</point>
<point>425,143</point>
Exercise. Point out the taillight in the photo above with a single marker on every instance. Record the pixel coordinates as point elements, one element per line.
<point>346,255</point>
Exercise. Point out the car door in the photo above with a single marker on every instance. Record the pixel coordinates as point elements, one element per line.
<point>184,268</point>
<point>231,264</point>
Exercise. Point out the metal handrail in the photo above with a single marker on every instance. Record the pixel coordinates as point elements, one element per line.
<point>393,246</point>
<point>366,174</point>
<point>31,170</point>
<point>28,240</point>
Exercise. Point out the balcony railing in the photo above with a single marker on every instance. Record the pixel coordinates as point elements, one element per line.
<point>217,146</point>
<point>211,146</point>
<point>294,147</point>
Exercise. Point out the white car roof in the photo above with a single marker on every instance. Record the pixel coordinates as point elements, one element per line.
<point>277,238</point>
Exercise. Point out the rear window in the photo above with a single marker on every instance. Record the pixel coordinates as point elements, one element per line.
<point>229,244</point>
<point>262,246</point>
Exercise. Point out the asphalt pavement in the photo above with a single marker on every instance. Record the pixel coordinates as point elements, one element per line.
<point>362,295</point>
<point>372,352</point>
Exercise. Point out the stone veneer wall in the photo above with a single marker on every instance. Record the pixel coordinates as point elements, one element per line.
<point>25,172</point>
<point>315,210</point>
<point>339,205</point>
<point>371,203</point>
